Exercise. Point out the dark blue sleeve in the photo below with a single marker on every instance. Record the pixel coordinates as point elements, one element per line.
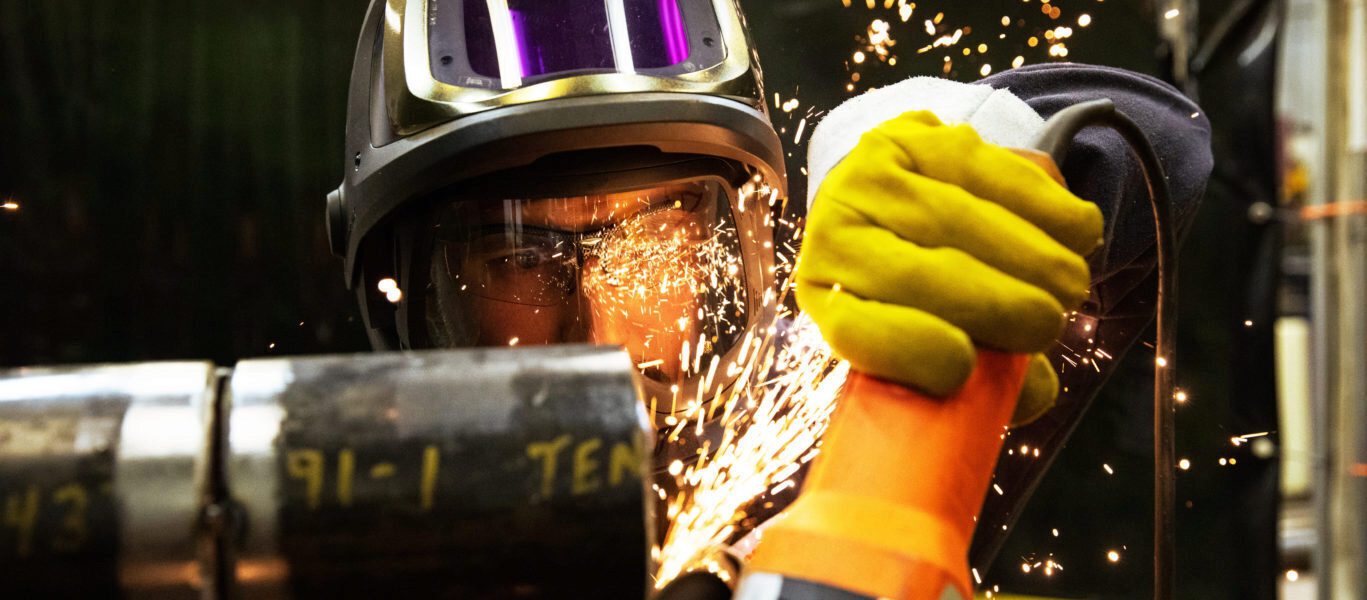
<point>1100,167</point>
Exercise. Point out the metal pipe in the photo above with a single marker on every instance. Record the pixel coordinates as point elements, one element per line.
<point>1347,152</point>
<point>474,473</point>
<point>102,470</point>
<point>1304,102</point>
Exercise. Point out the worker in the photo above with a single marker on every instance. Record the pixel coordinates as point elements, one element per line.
<point>582,171</point>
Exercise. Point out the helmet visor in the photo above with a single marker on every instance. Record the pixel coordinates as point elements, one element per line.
<point>658,270</point>
<point>505,44</point>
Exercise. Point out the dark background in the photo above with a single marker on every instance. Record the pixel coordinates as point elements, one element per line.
<point>170,159</point>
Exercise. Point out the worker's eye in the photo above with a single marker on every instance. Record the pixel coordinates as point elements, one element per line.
<point>528,259</point>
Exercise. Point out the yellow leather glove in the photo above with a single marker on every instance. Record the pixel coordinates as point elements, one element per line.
<point>925,240</point>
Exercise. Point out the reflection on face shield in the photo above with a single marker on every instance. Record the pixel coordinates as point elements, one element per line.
<point>658,271</point>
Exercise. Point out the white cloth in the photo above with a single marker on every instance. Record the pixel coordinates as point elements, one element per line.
<point>997,115</point>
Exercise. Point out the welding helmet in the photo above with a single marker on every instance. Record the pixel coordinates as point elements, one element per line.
<point>536,172</point>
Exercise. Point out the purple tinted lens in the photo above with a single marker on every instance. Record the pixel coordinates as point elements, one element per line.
<point>658,36</point>
<point>554,36</point>
<point>549,36</point>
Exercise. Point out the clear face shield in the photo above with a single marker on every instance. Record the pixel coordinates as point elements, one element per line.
<point>661,271</point>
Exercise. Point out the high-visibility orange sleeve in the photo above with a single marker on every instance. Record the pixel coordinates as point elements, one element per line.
<point>889,507</point>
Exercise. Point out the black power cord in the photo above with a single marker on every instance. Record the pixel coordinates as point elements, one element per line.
<point>1058,134</point>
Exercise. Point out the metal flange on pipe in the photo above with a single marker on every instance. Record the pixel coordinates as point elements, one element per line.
<point>472,473</point>
<point>103,472</point>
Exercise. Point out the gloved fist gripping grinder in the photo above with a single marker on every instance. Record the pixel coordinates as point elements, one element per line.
<point>940,266</point>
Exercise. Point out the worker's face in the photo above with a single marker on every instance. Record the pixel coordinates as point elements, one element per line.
<point>635,269</point>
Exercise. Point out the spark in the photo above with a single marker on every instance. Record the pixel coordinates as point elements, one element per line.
<point>761,447</point>
<point>771,421</point>
<point>1113,556</point>
<point>877,39</point>
<point>1180,396</point>
<point>1108,469</point>
<point>1238,440</point>
<point>390,289</point>
<point>1292,575</point>
<point>1172,13</point>
<point>1160,361</point>
<point>10,205</point>
<point>948,40</point>
<point>648,248</point>
<point>514,341</point>
<point>880,42</point>
<point>905,10</point>
<point>1184,464</point>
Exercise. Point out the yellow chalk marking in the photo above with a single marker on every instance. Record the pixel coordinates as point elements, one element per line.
<point>549,453</point>
<point>624,464</point>
<point>74,523</point>
<point>346,467</point>
<point>21,514</point>
<point>307,465</point>
<point>584,480</point>
<point>431,459</point>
